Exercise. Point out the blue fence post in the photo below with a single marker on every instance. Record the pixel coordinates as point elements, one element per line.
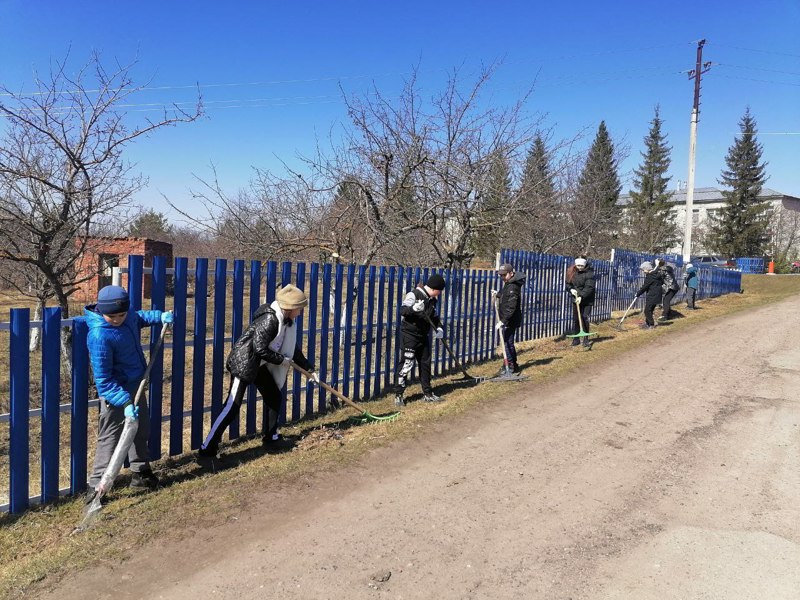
<point>337,325</point>
<point>158,291</point>
<point>135,280</point>
<point>218,343</point>
<point>379,325</point>
<point>180,286</point>
<point>270,292</point>
<point>348,329</point>
<point>358,292</point>
<point>237,319</point>
<point>325,337</point>
<point>311,351</point>
<point>298,383</point>
<point>19,442</point>
<point>255,302</point>
<point>286,279</point>
<point>390,331</point>
<point>199,351</point>
<point>51,388</point>
<point>79,418</point>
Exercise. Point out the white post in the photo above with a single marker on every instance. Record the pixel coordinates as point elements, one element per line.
<point>116,276</point>
<point>687,232</point>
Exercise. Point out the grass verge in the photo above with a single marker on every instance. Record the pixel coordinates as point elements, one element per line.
<point>36,548</point>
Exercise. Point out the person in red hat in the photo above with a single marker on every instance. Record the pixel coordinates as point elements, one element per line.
<point>418,312</point>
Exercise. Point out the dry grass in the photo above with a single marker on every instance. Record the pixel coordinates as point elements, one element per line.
<point>36,548</point>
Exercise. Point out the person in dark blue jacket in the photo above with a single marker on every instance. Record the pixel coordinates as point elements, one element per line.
<point>118,364</point>
<point>509,310</point>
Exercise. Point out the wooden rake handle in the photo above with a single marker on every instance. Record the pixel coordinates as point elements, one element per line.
<point>331,389</point>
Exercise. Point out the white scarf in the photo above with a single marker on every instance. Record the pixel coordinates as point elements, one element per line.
<point>284,343</point>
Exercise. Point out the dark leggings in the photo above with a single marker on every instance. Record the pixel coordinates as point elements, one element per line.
<point>271,395</point>
<point>415,350</point>
<point>665,310</point>
<point>576,325</point>
<point>649,307</point>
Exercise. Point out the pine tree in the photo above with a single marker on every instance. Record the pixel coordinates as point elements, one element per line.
<point>150,224</point>
<point>536,227</point>
<point>596,212</point>
<point>650,221</point>
<point>741,227</point>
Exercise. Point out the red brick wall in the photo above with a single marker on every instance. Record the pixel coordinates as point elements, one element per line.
<point>122,247</point>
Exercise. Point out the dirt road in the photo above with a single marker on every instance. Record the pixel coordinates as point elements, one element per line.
<point>672,471</point>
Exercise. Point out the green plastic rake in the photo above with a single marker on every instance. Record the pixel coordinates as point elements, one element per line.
<point>581,333</point>
<point>364,415</point>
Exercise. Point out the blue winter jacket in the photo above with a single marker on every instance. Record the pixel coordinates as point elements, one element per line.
<point>691,278</point>
<point>116,352</point>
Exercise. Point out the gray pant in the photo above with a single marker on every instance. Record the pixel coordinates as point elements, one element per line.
<point>109,430</point>
<point>690,296</point>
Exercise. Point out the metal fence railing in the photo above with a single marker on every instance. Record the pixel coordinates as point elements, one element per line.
<point>349,331</point>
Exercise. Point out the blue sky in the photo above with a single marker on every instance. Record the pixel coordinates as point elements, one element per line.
<point>270,71</point>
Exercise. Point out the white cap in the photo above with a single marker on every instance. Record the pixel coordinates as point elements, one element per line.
<point>580,262</point>
<point>646,266</point>
<point>689,265</point>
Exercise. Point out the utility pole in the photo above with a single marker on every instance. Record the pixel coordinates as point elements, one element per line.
<point>695,74</point>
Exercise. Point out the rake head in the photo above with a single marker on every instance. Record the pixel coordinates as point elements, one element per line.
<point>582,334</point>
<point>368,417</point>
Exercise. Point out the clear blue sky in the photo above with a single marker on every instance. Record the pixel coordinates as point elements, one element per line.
<point>284,62</point>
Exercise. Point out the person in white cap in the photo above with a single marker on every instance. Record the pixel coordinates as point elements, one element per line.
<point>581,285</point>
<point>651,287</point>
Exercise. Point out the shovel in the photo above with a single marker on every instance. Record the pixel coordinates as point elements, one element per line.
<point>129,430</point>
<point>618,326</point>
<point>364,417</point>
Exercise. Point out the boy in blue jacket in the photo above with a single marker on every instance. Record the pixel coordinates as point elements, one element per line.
<point>691,280</point>
<point>118,364</point>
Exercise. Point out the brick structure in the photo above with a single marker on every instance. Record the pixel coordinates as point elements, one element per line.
<point>103,253</point>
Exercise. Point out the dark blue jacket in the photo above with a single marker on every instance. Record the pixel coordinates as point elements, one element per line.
<point>116,352</point>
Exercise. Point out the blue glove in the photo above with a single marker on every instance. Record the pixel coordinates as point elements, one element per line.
<point>167,318</point>
<point>132,411</point>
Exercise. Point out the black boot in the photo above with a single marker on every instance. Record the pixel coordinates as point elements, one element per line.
<point>144,479</point>
<point>514,368</point>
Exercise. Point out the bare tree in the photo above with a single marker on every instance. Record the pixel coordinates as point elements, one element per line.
<point>62,171</point>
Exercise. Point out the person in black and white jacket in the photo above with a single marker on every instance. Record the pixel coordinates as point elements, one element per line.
<point>262,356</point>
<point>418,313</point>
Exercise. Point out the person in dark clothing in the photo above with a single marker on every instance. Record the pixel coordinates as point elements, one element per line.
<point>669,288</point>
<point>262,355</point>
<point>582,285</point>
<point>509,308</point>
<point>652,287</point>
<point>692,281</point>
<point>418,312</point>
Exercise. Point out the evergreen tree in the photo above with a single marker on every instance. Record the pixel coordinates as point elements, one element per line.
<point>595,212</point>
<point>650,221</point>
<point>150,224</point>
<point>741,227</point>
<point>538,214</point>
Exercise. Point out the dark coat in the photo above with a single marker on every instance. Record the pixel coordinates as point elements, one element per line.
<point>414,323</point>
<point>583,282</point>
<point>509,301</point>
<point>252,347</point>
<point>652,287</point>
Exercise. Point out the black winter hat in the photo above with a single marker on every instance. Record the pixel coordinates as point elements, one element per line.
<point>435,282</point>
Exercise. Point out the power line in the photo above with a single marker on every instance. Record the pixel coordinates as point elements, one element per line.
<point>758,80</point>
<point>758,50</point>
<point>756,69</point>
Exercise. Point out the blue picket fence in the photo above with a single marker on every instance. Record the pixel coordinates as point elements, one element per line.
<point>349,331</point>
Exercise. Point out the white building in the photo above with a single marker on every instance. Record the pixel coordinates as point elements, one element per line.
<point>709,200</point>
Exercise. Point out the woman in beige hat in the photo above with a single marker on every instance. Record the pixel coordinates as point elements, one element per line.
<point>262,356</point>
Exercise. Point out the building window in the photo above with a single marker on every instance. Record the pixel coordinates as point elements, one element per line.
<point>695,216</point>
<point>105,274</point>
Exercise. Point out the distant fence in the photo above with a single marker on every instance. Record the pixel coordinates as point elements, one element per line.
<point>349,331</point>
